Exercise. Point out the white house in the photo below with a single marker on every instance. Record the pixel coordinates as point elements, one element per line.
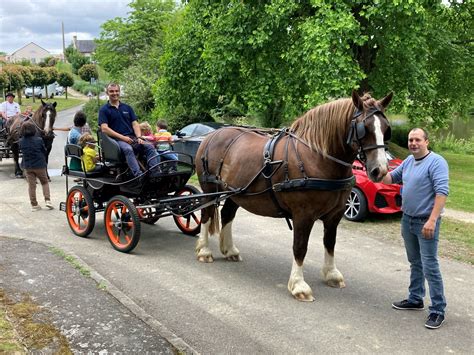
<point>32,52</point>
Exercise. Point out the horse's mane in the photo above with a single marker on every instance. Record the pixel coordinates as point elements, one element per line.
<point>325,127</point>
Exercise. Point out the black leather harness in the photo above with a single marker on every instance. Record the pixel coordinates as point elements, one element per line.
<point>270,167</point>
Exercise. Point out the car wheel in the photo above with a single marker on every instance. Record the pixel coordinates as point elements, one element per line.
<point>356,206</point>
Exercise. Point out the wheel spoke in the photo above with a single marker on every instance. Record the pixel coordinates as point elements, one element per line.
<point>196,219</point>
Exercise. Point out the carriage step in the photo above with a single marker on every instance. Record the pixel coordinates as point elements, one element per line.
<point>62,206</point>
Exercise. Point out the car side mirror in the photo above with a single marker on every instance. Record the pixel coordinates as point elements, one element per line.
<point>180,134</point>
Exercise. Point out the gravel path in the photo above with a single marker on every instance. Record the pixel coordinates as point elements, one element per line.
<point>467,217</point>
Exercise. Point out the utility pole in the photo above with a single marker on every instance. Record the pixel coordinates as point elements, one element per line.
<point>64,43</point>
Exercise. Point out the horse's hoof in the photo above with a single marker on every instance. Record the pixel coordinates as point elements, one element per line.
<point>336,283</point>
<point>234,258</point>
<point>303,297</point>
<point>205,259</point>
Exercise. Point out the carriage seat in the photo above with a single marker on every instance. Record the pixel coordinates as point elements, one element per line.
<point>112,155</point>
<point>76,166</point>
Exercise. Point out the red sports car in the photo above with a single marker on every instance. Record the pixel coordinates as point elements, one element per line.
<point>367,196</point>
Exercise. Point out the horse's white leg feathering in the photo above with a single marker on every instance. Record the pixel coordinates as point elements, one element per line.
<point>228,249</point>
<point>298,286</point>
<point>203,252</point>
<point>330,273</point>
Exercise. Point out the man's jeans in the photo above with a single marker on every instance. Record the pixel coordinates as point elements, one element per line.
<point>146,150</point>
<point>423,257</point>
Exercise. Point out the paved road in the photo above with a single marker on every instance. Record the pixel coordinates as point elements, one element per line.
<point>228,307</point>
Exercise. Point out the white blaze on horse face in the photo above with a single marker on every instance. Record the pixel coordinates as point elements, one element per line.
<point>46,123</point>
<point>381,157</point>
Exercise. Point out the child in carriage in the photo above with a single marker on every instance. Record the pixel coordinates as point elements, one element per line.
<point>89,156</point>
<point>162,140</point>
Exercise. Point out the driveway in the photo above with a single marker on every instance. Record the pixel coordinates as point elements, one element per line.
<point>228,307</point>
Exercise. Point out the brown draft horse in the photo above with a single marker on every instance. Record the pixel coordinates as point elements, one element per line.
<point>43,119</point>
<point>307,180</point>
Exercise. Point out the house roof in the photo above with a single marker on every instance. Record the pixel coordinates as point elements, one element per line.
<point>26,45</point>
<point>85,46</point>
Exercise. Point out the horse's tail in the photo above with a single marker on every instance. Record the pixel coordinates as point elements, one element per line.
<point>214,225</point>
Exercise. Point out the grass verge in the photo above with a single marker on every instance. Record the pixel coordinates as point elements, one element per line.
<point>25,325</point>
<point>461,177</point>
<point>71,260</point>
<point>456,237</point>
<point>62,103</point>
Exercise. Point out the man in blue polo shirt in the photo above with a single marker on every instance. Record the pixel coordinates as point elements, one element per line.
<point>425,178</point>
<point>118,120</point>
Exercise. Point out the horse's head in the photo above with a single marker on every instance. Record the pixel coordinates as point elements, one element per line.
<point>45,117</point>
<point>369,131</point>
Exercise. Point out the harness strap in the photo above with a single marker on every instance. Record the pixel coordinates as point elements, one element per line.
<point>315,184</point>
<point>268,172</point>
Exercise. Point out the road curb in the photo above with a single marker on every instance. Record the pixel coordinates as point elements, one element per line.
<point>179,344</point>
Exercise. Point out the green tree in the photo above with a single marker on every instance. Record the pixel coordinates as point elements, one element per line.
<point>275,60</point>
<point>27,77</point>
<point>88,71</point>
<point>280,58</point>
<point>40,78</point>
<point>3,79</point>
<point>126,41</point>
<point>66,80</point>
<point>76,59</point>
<point>52,78</point>
<point>15,78</point>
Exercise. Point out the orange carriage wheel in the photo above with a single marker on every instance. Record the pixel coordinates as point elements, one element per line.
<point>189,224</point>
<point>122,224</point>
<point>80,211</point>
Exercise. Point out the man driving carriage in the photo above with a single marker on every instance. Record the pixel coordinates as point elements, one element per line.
<point>118,121</point>
<point>8,109</point>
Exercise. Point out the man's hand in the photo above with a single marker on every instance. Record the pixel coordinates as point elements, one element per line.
<point>128,140</point>
<point>428,229</point>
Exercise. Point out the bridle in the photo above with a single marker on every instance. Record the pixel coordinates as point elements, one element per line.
<point>357,132</point>
<point>43,113</point>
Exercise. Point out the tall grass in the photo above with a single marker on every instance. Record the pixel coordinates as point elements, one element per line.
<point>453,145</point>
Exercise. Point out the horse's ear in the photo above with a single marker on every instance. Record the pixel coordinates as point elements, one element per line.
<point>43,103</point>
<point>386,100</point>
<point>356,100</point>
<point>54,104</point>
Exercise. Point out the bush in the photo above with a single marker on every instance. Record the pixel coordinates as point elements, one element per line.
<point>84,87</point>
<point>400,134</point>
<point>88,71</point>
<point>452,144</point>
<point>91,109</point>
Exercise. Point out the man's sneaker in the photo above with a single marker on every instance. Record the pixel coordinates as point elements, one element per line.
<point>35,208</point>
<point>407,305</point>
<point>434,321</point>
<point>49,205</point>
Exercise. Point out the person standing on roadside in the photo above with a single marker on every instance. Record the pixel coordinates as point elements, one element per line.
<point>425,178</point>
<point>118,121</point>
<point>34,163</point>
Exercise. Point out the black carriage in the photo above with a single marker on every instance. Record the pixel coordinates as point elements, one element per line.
<point>126,201</point>
<point>5,147</point>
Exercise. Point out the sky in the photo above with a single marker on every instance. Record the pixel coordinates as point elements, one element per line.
<point>39,21</point>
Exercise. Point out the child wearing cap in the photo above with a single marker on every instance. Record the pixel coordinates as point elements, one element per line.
<point>89,156</point>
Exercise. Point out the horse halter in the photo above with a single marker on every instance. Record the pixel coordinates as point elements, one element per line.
<point>357,132</point>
